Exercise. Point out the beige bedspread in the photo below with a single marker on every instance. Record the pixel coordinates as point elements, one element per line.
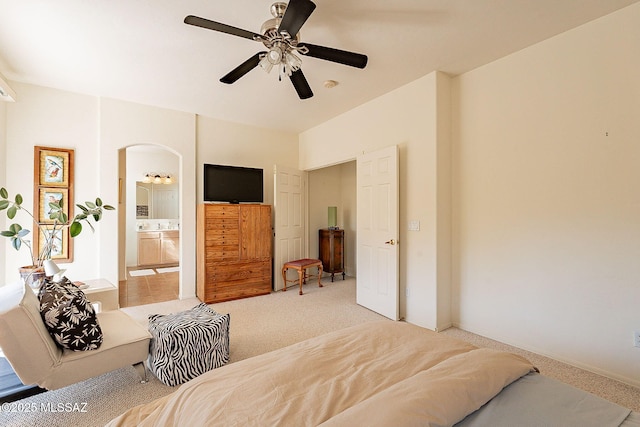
<point>379,373</point>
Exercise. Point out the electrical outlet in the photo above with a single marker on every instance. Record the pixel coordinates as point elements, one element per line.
<point>636,338</point>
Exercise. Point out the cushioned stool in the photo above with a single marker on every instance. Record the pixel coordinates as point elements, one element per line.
<point>301,265</point>
<point>187,344</point>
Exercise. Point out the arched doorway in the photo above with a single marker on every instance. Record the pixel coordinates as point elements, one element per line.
<point>150,259</point>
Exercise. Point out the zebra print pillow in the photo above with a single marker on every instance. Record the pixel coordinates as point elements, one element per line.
<point>187,344</point>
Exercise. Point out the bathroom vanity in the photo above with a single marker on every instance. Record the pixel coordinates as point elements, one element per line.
<point>158,247</point>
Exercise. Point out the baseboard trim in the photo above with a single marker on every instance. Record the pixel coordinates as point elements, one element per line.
<point>541,352</point>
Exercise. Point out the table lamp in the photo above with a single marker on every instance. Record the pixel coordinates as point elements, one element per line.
<point>333,217</point>
<point>52,270</point>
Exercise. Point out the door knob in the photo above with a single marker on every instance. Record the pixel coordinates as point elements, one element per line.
<point>390,242</point>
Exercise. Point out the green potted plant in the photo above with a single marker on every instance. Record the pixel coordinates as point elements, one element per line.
<point>17,234</point>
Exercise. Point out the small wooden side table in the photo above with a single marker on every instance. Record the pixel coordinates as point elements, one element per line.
<point>331,250</point>
<point>301,265</point>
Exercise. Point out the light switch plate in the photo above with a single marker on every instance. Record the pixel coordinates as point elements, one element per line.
<point>414,225</point>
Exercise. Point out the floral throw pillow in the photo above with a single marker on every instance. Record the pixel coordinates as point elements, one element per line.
<point>69,316</point>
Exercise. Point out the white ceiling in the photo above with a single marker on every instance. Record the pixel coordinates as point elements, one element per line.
<point>141,51</point>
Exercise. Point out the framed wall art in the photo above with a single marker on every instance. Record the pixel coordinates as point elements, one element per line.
<point>53,182</point>
<point>61,244</point>
<point>55,166</point>
<point>47,195</point>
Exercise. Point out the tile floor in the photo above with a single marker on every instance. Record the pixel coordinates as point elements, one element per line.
<point>141,290</point>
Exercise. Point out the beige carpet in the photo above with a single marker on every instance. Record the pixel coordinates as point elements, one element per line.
<point>258,325</point>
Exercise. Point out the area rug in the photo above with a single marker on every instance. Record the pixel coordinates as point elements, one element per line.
<point>146,272</point>
<point>168,269</point>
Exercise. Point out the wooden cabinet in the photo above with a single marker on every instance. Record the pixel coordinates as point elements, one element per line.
<point>158,247</point>
<point>331,251</point>
<point>148,248</point>
<point>170,247</point>
<point>233,251</point>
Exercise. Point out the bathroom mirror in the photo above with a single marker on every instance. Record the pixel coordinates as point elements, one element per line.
<point>156,201</point>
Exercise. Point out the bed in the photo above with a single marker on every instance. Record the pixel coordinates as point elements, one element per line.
<point>380,373</point>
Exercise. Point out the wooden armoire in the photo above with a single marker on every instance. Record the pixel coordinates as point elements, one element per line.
<point>233,251</point>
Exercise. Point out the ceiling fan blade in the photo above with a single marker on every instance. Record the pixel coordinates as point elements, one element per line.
<point>301,85</point>
<point>242,69</point>
<point>296,14</point>
<point>336,55</point>
<point>217,26</point>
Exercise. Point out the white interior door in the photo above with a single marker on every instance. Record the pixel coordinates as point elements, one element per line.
<point>289,207</point>
<point>377,224</point>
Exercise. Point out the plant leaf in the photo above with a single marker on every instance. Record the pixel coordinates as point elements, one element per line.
<point>4,204</point>
<point>11,212</point>
<point>18,199</point>
<point>98,201</point>
<point>90,205</point>
<point>7,233</point>
<point>3,193</point>
<point>75,229</point>
<point>109,208</point>
<point>16,243</point>
<point>15,228</point>
<point>83,209</point>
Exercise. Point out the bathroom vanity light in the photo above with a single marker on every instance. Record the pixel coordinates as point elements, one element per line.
<point>158,178</point>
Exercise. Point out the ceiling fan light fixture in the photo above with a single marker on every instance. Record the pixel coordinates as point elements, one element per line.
<point>292,61</point>
<point>274,56</point>
<point>265,64</point>
<point>281,38</point>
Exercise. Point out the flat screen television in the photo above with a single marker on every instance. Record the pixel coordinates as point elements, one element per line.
<point>232,184</point>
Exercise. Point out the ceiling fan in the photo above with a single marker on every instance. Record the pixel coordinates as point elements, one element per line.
<point>280,35</point>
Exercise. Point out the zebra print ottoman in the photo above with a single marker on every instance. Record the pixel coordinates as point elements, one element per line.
<point>187,344</point>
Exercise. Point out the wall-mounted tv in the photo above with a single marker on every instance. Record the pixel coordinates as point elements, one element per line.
<point>233,184</point>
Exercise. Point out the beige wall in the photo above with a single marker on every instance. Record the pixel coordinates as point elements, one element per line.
<point>334,186</point>
<point>543,197</point>
<point>124,124</point>
<point>547,197</point>
<point>406,117</point>
<point>227,143</point>
<point>3,183</point>
<point>100,129</point>
<point>97,129</point>
<point>53,118</point>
